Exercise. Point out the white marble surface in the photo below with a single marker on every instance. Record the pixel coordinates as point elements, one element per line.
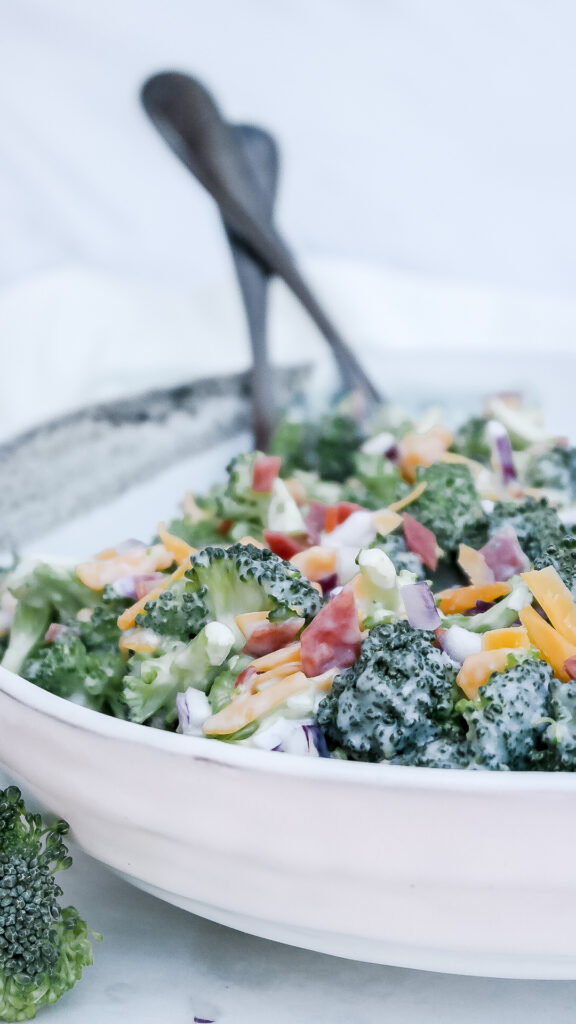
<point>159,964</point>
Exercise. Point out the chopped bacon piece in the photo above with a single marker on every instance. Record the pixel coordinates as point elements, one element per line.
<point>420,540</point>
<point>570,667</point>
<point>283,544</point>
<point>54,630</point>
<point>272,636</point>
<point>315,520</point>
<point>264,473</point>
<point>333,638</point>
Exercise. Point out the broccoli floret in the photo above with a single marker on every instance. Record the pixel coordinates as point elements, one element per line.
<point>395,700</point>
<point>43,946</point>
<point>536,524</point>
<point>45,594</point>
<point>561,733</point>
<point>327,446</point>
<point>451,751</point>
<point>153,680</point>
<point>507,724</point>
<point>83,663</point>
<point>66,668</point>
<point>563,559</point>
<point>376,482</point>
<point>237,501</point>
<point>470,440</point>
<point>554,470</point>
<point>450,506</point>
<point>225,582</point>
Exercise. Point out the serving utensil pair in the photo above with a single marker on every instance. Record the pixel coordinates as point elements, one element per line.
<point>238,165</point>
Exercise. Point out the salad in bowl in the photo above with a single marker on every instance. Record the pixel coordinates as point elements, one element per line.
<point>397,592</point>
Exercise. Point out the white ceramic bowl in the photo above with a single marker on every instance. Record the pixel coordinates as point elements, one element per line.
<point>442,870</point>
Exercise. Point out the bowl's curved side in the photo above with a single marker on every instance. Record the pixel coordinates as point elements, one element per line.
<point>443,879</point>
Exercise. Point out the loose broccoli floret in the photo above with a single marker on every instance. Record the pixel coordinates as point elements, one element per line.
<point>43,946</point>
<point>470,440</point>
<point>536,524</point>
<point>224,582</point>
<point>327,446</point>
<point>83,663</point>
<point>507,725</point>
<point>554,470</point>
<point>45,594</point>
<point>563,559</point>
<point>376,482</point>
<point>395,700</point>
<point>450,506</point>
<point>153,681</point>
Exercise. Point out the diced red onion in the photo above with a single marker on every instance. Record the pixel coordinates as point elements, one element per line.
<point>203,1020</point>
<point>479,607</point>
<point>502,450</point>
<point>145,582</point>
<point>570,667</point>
<point>138,585</point>
<point>458,642</point>
<point>420,606</point>
<point>125,587</point>
<point>504,555</point>
<point>329,584</point>
<point>307,740</point>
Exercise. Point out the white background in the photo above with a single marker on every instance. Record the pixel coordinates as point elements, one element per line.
<point>437,138</point>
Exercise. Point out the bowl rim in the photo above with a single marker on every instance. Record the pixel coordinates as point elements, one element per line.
<point>230,755</point>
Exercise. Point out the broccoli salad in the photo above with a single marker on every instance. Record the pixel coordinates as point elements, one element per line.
<point>392,591</point>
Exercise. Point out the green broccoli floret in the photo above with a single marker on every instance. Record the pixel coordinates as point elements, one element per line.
<point>563,559</point>
<point>376,482</point>
<point>225,582</point>
<point>536,524</point>
<point>450,506</point>
<point>45,594</point>
<point>327,446</point>
<point>395,700</point>
<point>507,724</point>
<point>238,502</point>
<point>153,680</point>
<point>554,470</point>
<point>43,946</point>
<point>470,440</point>
<point>561,732</point>
<point>83,663</point>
